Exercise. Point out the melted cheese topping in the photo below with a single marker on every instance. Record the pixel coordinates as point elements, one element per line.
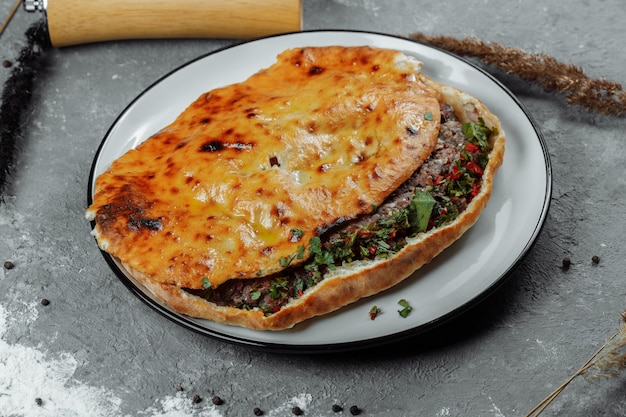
<point>323,135</point>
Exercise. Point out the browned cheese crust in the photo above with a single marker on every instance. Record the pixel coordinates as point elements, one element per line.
<point>348,283</point>
<point>322,136</point>
<point>363,278</point>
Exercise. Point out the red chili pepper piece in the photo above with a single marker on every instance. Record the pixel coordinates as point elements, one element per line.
<point>474,167</point>
<point>470,147</point>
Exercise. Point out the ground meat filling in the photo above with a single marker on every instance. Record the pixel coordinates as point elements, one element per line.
<point>451,176</point>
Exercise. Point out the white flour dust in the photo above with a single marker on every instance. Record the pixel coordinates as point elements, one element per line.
<point>31,373</point>
<point>28,374</point>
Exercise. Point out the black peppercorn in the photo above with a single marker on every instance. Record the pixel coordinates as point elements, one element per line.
<point>595,259</point>
<point>297,411</point>
<point>7,64</point>
<point>9,265</point>
<point>258,411</point>
<point>566,262</point>
<point>45,302</point>
<point>38,401</point>
<point>196,399</point>
<point>217,400</point>
<point>337,408</point>
<point>180,388</point>
<point>355,411</point>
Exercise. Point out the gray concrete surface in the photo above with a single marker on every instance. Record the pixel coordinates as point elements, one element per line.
<point>96,350</point>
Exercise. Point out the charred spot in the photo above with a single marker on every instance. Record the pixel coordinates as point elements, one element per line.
<point>369,107</point>
<point>168,140</point>
<point>208,237</point>
<point>150,176</point>
<point>267,251</point>
<point>144,223</point>
<point>274,161</point>
<point>212,146</point>
<point>237,99</point>
<point>181,144</point>
<point>375,68</point>
<point>260,191</point>
<point>278,211</point>
<point>251,115</point>
<point>311,127</point>
<point>369,140</point>
<point>361,156</point>
<point>174,190</point>
<point>205,120</point>
<point>316,70</point>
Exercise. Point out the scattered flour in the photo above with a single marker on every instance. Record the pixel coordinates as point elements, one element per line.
<point>496,410</point>
<point>302,401</point>
<point>28,373</point>
<point>444,412</point>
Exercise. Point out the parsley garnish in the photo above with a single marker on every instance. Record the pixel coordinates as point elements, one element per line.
<point>206,284</point>
<point>286,260</point>
<point>406,308</point>
<point>428,116</point>
<point>478,134</point>
<point>374,312</point>
<point>295,235</point>
<point>420,209</point>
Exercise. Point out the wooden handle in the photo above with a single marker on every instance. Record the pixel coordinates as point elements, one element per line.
<point>73,22</point>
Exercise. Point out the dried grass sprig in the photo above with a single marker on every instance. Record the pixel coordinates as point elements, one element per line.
<point>606,362</point>
<point>599,95</point>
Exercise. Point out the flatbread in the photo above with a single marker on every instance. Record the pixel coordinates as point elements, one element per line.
<point>249,172</point>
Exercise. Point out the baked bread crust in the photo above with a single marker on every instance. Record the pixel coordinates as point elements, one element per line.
<point>360,279</point>
<point>322,136</point>
<point>356,280</point>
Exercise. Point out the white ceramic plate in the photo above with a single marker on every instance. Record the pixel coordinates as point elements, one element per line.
<point>458,278</point>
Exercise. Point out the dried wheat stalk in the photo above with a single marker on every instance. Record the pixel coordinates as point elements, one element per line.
<point>606,362</point>
<point>599,95</point>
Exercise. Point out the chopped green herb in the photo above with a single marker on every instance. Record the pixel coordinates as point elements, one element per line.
<point>278,288</point>
<point>420,209</point>
<point>300,254</point>
<point>206,284</point>
<point>255,295</point>
<point>478,134</point>
<point>428,116</point>
<point>406,308</point>
<point>286,260</point>
<point>374,312</point>
<point>295,235</point>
